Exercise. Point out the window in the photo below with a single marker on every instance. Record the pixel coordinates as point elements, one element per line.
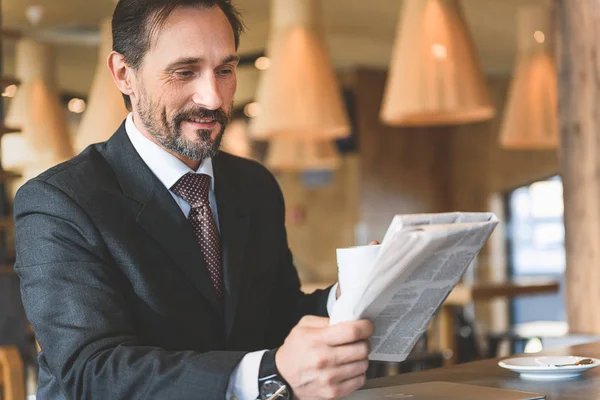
<point>536,238</point>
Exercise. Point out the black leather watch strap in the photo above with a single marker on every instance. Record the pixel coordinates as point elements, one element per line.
<point>268,372</point>
<point>268,367</point>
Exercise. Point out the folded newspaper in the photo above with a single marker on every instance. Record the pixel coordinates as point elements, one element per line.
<point>401,283</point>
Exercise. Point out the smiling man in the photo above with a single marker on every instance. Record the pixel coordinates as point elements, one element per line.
<point>155,266</point>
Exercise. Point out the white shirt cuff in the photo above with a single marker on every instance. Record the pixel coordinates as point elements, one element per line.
<point>331,299</point>
<point>243,382</point>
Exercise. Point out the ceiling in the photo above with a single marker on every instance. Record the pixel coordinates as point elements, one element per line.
<point>358,32</point>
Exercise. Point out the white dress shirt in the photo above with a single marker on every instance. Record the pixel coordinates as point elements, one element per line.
<point>243,382</point>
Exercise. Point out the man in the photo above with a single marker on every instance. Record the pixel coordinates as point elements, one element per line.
<point>152,266</point>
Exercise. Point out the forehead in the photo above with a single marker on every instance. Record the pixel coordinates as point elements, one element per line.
<point>194,32</point>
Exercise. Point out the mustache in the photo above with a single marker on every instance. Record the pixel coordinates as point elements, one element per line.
<point>218,115</point>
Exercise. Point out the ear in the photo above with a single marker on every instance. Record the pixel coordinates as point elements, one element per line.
<point>121,72</point>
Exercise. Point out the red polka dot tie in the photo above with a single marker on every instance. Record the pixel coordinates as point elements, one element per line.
<point>193,188</point>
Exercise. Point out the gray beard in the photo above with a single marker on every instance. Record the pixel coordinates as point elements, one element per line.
<point>199,150</point>
<point>168,134</point>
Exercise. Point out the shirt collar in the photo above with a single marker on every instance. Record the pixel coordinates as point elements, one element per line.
<point>167,168</point>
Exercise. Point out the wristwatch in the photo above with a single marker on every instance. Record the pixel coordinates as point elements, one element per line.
<point>271,385</point>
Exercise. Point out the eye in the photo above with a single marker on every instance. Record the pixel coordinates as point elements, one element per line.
<point>184,73</point>
<point>225,71</point>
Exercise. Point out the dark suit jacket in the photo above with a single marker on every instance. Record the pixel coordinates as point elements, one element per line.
<point>114,284</point>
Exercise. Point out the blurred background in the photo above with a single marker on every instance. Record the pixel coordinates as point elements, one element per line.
<point>362,110</point>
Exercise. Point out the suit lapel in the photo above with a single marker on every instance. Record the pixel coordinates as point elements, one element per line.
<point>163,220</point>
<point>159,215</point>
<point>234,221</point>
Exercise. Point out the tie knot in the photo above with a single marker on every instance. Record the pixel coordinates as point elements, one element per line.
<point>193,188</point>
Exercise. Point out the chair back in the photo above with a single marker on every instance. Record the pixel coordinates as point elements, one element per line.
<point>12,383</point>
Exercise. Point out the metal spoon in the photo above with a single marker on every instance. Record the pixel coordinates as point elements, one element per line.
<point>585,361</point>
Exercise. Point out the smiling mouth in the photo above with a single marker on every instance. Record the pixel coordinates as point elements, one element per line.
<point>202,123</point>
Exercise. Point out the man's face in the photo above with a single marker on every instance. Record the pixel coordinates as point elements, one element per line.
<point>184,88</point>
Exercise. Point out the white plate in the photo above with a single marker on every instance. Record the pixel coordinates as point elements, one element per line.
<point>543,368</point>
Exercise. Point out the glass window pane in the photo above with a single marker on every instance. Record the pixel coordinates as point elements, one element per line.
<point>536,237</point>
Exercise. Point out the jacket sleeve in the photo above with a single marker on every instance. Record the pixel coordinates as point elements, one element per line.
<point>71,290</point>
<point>289,303</point>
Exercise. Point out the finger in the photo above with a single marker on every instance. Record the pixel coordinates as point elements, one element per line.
<point>358,351</point>
<point>313,321</point>
<point>373,243</point>
<point>348,332</point>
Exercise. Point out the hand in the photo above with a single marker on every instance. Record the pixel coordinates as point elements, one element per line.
<point>338,291</point>
<point>325,362</point>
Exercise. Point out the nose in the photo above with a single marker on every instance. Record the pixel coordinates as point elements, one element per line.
<point>207,93</point>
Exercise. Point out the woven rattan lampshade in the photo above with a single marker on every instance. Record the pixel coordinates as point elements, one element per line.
<point>435,77</point>
<point>292,154</point>
<point>15,152</point>
<point>531,114</point>
<point>236,141</point>
<point>105,110</point>
<point>299,95</point>
<point>37,110</point>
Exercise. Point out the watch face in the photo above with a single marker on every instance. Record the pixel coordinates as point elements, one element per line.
<point>272,386</point>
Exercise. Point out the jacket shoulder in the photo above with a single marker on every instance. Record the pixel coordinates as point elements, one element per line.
<point>81,174</point>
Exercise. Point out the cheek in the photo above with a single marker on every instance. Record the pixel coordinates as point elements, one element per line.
<point>228,90</point>
<point>172,100</point>
<point>171,93</point>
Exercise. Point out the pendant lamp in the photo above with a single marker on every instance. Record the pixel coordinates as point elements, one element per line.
<point>531,115</point>
<point>105,109</point>
<point>435,77</point>
<point>299,95</point>
<point>299,155</point>
<point>235,139</point>
<point>36,108</point>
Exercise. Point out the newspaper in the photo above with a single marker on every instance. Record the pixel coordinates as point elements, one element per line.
<point>420,260</point>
